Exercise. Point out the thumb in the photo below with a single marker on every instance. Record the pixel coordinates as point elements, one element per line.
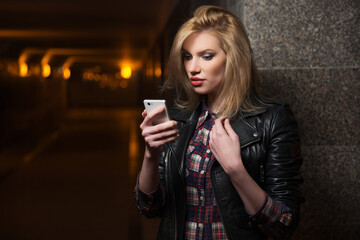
<point>228,128</point>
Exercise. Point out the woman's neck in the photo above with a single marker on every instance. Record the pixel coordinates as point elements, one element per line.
<point>213,103</point>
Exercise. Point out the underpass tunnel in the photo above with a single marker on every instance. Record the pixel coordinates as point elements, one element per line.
<point>73,75</point>
<point>68,54</point>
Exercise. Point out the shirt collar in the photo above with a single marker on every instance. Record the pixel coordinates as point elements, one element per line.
<point>205,113</point>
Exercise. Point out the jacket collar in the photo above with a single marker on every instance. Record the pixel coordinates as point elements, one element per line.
<point>187,122</point>
<point>181,115</point>
<point>186,116</point>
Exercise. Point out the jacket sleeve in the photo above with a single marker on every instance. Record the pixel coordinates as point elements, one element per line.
<point>282,166</point>
<point>151,204</point>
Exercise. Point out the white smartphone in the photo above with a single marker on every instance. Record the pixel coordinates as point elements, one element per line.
<point>151,104</point>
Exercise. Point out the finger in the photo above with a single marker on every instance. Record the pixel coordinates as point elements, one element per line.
<point>233,135</point>
<point>165,126</point>
<point>228,127</point>
<point>156,111</point>
<point>162,127</point>
<point>160,139</point>
<point>151,115</point>
<point>166,134</point>
<point>144,113</point>
<point>160,143</point>
<point>219,128</point>
<point>211,140</point>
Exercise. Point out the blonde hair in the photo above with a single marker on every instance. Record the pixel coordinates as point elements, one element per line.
<point>239,88</point>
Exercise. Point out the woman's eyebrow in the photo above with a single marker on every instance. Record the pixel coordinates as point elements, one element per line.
<point>206,51</point>
<point>200,52</point>
<point>184,50</point>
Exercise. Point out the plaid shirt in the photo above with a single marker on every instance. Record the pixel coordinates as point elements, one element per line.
<point>202,216</point>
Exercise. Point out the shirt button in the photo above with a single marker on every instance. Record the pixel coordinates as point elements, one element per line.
<point>255,134</point>
<point>202,198</point>
<point>202,172</point>
<point>208,151</point>
<point>200,225</point>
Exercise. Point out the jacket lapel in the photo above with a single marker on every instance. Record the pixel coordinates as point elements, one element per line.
<point>186,125</point>
<point>247,134</point>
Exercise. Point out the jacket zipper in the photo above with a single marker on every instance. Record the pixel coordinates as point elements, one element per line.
<point>173,196</point>
<point>217,204</point>
<point>262,173</point>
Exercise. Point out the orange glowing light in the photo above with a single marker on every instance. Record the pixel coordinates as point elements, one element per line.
<point>133,149</point>
<point>97,77</point>
<point>90,76</point>
<point>126,72</point>
<point>149,72</point>
<point>46,70</point>
<point>66,73</point>
<point>158,72</point>
<point>23,69</point>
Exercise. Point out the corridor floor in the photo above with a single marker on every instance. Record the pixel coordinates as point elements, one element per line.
<point>78,183</point>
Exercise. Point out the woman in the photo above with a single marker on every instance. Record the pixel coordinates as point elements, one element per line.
<point>227,165</point>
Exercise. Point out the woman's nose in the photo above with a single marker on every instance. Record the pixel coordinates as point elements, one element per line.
<point>194,67</point>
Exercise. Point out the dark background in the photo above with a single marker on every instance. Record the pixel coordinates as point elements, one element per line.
<point>70,149</point>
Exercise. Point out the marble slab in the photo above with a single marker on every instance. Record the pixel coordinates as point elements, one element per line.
<point>312,33</point>
<point>331,182</point>
<point>325,102</point>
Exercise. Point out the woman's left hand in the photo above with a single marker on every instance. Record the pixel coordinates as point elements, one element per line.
<point>225,145</point>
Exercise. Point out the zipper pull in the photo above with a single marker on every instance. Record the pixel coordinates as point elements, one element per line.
<point>262,173</point>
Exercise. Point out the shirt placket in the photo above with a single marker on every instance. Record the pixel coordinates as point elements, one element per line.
<point>207,155</point>
<point>201,201</point>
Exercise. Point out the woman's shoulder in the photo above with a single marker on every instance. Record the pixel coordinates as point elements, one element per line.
<point>278,114</point>
<point>270,109</point>
<point>276,106</point>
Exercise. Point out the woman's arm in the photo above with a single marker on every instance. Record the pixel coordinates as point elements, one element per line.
<point>155,137</point>
<point>225,145</point>
<point>148,192</point>
<point>276,211</point>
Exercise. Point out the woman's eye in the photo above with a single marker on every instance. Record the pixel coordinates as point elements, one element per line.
<point>187,57</point>
<point>208,57</point>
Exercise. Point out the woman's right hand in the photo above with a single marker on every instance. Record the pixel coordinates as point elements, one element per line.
<point>156,136</point>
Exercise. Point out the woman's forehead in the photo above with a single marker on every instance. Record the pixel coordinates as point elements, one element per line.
<point>201,41</point>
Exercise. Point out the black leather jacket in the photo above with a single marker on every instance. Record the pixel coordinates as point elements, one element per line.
<point>270,150</point>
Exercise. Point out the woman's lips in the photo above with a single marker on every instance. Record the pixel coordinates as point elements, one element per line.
<point>196,81</point>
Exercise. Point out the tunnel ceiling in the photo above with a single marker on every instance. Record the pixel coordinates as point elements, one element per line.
<point>109,29</point>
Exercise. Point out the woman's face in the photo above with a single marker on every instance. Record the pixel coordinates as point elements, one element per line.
<point>204,62</point>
